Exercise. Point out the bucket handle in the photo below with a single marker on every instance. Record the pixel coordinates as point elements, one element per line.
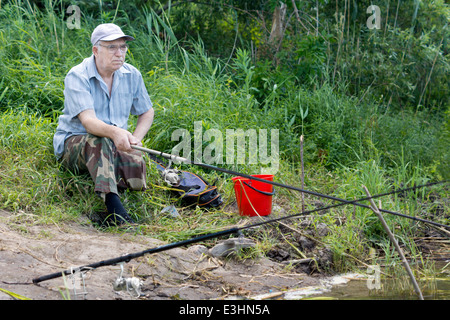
<point>263,192</point>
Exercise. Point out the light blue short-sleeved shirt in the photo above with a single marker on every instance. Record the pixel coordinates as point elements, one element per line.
<point>85,89</point>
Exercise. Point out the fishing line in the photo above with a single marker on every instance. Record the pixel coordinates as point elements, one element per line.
<point>354,202</point>
<point>235,230</point>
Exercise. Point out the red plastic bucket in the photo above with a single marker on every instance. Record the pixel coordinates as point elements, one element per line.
<point>254,198</point>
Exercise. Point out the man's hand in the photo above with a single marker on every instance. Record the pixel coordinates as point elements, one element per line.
<point>123,139</point>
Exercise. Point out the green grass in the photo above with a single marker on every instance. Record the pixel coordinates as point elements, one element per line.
<point>32,181</point>
<point>347,144</point>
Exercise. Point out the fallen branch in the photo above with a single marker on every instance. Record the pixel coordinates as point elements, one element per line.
<point>394,241</point>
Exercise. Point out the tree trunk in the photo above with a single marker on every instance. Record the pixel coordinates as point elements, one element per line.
<point>279,15</point>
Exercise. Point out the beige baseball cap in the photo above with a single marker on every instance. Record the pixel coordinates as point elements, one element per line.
<point>108,32</point>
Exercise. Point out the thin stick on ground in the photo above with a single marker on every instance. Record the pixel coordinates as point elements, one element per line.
<point>303,172</point>
<point>394,241</point>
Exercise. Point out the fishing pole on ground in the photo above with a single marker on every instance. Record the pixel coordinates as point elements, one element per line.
<point>131,256</point>
<point>172,157</point>
<point>235,230</point>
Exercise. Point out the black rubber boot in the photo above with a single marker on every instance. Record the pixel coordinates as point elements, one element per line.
<point>117,214</point>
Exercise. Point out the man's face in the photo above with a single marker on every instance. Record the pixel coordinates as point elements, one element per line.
<point>109,56</point>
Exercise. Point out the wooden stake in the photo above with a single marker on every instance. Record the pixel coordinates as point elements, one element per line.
<point>303,172</point>
<point>394,241</point>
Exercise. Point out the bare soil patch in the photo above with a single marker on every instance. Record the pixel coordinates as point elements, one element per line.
<point>28,251</point>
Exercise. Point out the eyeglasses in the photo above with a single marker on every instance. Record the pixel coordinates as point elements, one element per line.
<point>112,48</point>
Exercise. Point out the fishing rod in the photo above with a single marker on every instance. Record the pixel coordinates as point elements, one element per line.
<point>128,257</point>
<point>354,202</point>
<point>235,230</point>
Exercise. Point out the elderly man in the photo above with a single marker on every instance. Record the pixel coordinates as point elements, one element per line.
<point>92,136</point>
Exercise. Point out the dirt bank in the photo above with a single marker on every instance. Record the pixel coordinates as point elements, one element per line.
<point>28,251</point>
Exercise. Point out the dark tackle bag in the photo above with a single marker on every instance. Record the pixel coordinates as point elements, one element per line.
<point>192,188</point>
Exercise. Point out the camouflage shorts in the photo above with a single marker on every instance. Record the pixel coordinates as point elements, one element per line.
<point>109,168</point>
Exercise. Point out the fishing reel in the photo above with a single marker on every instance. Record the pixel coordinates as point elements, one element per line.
<point>131,285</point>
<point>171,176</point>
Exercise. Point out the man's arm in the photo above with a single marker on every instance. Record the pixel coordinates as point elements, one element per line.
<point>144,123</point>
<point>122,139</point>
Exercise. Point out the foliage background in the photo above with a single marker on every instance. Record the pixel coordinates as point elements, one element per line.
<point>354,92</point>
<point>372,104</point>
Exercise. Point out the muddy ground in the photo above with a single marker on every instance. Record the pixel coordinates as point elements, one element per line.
<point>28,251</point>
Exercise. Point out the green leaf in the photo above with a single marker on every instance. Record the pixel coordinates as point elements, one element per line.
<point>14,295</point>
